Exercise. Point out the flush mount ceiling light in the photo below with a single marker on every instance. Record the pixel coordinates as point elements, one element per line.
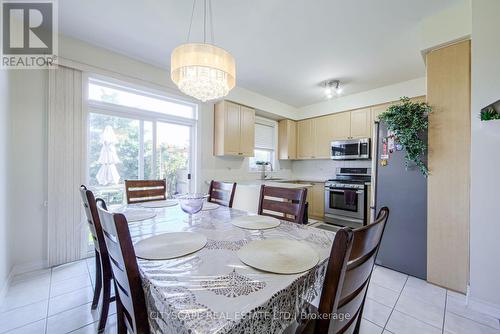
<point>332,87</point>
<point>202,70</point>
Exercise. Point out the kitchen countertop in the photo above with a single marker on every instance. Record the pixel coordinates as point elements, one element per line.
<point>272,183</point>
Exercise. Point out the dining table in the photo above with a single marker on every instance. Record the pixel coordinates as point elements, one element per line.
<point>212,290</point>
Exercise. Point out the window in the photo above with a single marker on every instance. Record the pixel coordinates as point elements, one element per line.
<point>135,134</point>
<point>265,143</point>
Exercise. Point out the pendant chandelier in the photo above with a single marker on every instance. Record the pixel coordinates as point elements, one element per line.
<point>202,70</point>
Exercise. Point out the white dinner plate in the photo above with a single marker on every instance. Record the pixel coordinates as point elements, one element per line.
<point>210,206</point>
<point>280,256</point>
<point>169,245</point>
<point>136,214</point>
<point>160,204</point>
<point>256,222</point>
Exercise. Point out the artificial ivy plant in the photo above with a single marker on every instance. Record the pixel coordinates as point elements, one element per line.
<point>408,120</point>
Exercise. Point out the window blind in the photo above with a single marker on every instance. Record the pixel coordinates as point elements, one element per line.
<point>264,136</point>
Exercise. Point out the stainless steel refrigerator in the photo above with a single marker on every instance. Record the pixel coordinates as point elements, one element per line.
<point>404,191</point>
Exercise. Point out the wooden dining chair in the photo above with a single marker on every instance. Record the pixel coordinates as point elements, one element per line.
<point>221,193</point>
<point>348,274</point>
<point>103,275</point>
<point>131,309</point>
<point>140,191</point>
<point>283,203</point>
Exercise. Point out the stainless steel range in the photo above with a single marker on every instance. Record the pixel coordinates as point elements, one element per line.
<point>345,197</point>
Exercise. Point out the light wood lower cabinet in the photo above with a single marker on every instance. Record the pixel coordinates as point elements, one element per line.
<point>234,129</point>
<point>316,200</point>
<point>287,139</point>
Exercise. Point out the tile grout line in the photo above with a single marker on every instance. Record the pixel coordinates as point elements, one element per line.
<point>445,305</point>
<point>394,307</point>
<point>48,302</point>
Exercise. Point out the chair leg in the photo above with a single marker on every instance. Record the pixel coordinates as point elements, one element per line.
<point>98,280</point>
<point>106,298</point>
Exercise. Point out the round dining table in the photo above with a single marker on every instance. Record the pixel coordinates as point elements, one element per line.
<point>211,290</point>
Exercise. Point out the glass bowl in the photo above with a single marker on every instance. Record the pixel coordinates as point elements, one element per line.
<point>191,203</point>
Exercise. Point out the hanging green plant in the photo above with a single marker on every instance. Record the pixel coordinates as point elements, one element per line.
<point>408,120</point>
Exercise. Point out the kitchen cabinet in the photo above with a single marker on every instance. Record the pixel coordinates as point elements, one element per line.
<point>314,137</point>
<point>361,125</point>
<point>341,126</point>
<point>287,139</point>
<point>234,129</point>
<point>448,92</point>
<point>317,200</point>
<point>305,139</point>
<point>323,136</point>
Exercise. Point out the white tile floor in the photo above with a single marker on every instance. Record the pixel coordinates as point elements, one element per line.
<point>58,301</point>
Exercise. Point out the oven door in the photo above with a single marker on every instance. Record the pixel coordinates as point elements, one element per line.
<point>345,202</point>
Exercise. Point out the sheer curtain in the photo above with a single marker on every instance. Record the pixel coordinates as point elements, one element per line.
<point>66,157</point>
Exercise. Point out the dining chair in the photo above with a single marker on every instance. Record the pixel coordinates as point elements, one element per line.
<point>103,275</point>
<point>221,193</point>
<point>348,274</point>
<point>140,191</point>
<point>283,203</point>
<point>131,309</point>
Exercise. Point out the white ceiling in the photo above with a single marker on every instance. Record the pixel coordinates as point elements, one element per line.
<point>283,48</point>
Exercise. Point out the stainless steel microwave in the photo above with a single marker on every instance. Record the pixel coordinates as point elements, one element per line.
<point>352,149</point>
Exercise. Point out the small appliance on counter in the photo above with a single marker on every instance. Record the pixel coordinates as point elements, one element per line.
<point>346,199</point>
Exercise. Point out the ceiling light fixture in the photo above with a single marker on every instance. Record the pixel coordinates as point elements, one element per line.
<point>332,87</point>
<point>203,70</point>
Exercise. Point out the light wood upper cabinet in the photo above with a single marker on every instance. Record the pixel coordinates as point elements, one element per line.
<point>305,139</point>
<point>377,110</point>
<point>247,131</point>
<point>341,126</point>
<point>287,139</point>
<point>361,126</point>
<point>323,136</point>
<point>234,129</point>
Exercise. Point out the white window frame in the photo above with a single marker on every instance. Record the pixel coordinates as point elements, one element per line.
<point>274,125</point>
<point>142,115</point>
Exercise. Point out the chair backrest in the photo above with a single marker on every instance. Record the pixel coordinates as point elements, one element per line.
<point>128,286</point>
<point>221,193</point>
<point>348,274</point>
<point>139,191</point>
<point>283,203</point>
<point>94,223</point>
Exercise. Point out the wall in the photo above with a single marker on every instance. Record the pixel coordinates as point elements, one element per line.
<point>485,157</point>
<point>5,260</point>
<point>411,88</point>
<point>28,167</point>
<point>451,24</point>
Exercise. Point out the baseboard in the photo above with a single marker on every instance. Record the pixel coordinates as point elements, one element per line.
<point>5,286</point>
<point>484,307</point>
<point>28,267</point>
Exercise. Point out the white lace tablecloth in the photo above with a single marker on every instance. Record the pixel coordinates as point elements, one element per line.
<point>212,291</point>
